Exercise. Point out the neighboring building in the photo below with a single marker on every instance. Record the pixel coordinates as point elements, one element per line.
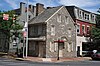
<point>21,12</point>
<point>84,21</point>
<point>45,29</point>
<point>4,41</point>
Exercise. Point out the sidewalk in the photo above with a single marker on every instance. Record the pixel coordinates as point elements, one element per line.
<point>36,59</point>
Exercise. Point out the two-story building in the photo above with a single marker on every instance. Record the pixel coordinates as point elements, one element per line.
<point>84,21</point>
<point>53,24</point>
<point>21,19</point>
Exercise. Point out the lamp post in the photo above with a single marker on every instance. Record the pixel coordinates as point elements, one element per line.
<point>58,49</point>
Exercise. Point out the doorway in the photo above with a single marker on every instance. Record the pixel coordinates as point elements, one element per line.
<point>42,49</point>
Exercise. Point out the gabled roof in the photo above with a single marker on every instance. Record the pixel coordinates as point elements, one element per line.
<point>45,15</point>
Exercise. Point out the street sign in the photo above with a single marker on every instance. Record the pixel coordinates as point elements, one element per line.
<point>5,16</point>
<point>24,34</point>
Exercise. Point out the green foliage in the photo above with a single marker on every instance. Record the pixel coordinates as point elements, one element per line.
<point>95,33</point>
<point>9,24</point>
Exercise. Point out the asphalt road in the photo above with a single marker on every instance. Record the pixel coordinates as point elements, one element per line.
<point>10,62</point>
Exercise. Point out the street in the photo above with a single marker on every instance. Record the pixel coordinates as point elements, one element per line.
<point>10,62</point>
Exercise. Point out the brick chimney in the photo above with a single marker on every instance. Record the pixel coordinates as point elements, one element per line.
<point>34,10</point>
<point>39,8</point>
<point>31,7</point>
<point>22,7</point>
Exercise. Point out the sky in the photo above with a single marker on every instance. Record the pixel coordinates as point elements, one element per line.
<point>89,5</point>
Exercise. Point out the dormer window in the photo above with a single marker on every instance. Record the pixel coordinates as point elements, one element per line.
<point>93,18</point>
<point>80,14</point>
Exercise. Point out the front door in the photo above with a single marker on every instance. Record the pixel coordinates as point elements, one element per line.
<point>61,47</point>
<point>42,49</point>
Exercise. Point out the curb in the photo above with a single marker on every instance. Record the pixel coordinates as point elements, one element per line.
<point>20,59</point>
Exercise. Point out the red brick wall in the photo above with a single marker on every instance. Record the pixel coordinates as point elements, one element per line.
<point>86,24</point>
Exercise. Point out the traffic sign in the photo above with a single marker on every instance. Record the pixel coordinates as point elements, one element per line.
<point>5,16</point>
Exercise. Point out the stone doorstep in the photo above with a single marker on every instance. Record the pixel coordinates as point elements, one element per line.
<point>46,59</point>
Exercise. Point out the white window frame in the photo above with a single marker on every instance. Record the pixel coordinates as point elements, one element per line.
<point>72,46</point>
<point>88,27</point>
<point>53,30</point>
<point>52,47</point>
<point>69,47</point>
<point>56,46</point>
<point>59,18</point>
<point>66,20</point>
<point>80,14</point>
<point>84,29</point>
<point>69,32</point>
<point>77,28</point>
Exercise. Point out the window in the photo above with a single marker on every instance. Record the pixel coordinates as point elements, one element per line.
<point>93,18</point>
<point>72,47</point>
<point>59,18</point>
<point>80,14</point>
<point>56,46</point>
<point>83,15</point>
<point>69,47</point>
<point>78,29</point>
<point>52,46</point>
<point>87,17</point>
<point>35,29</point>
<point>66,20</point>
<point>39,29</point>
<point>31,31</point>
<point>88,29</point>
<point>43,29</point>
<point>83,28</point>
<point>52,30</point>
<point>29,17</point>
<point>69,32</point>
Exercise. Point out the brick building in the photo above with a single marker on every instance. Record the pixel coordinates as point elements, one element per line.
<point>84,21</point>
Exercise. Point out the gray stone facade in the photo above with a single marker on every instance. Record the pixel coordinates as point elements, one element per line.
<point>58,25</point>
<point>61,31</point>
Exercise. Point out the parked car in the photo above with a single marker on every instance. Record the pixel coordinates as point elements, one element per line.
<point>87,53</point>
<point>96,56</point>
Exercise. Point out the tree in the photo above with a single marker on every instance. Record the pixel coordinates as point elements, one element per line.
<point>11,24</point>
<point>98,19</point>
<point>95,32</point>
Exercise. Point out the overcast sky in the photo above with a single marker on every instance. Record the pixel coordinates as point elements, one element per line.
<point>90,5</point>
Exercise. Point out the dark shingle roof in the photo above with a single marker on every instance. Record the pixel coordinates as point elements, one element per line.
<point>44,15</point>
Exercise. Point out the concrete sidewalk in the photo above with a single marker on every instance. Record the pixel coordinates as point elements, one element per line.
<point>36,59</point>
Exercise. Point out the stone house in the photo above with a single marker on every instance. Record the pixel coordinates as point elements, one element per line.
<point>45,29</point>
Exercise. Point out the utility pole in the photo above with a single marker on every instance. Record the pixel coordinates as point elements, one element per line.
<point>27,30</point>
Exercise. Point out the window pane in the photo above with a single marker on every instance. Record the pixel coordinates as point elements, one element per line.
<point>52,30</point>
